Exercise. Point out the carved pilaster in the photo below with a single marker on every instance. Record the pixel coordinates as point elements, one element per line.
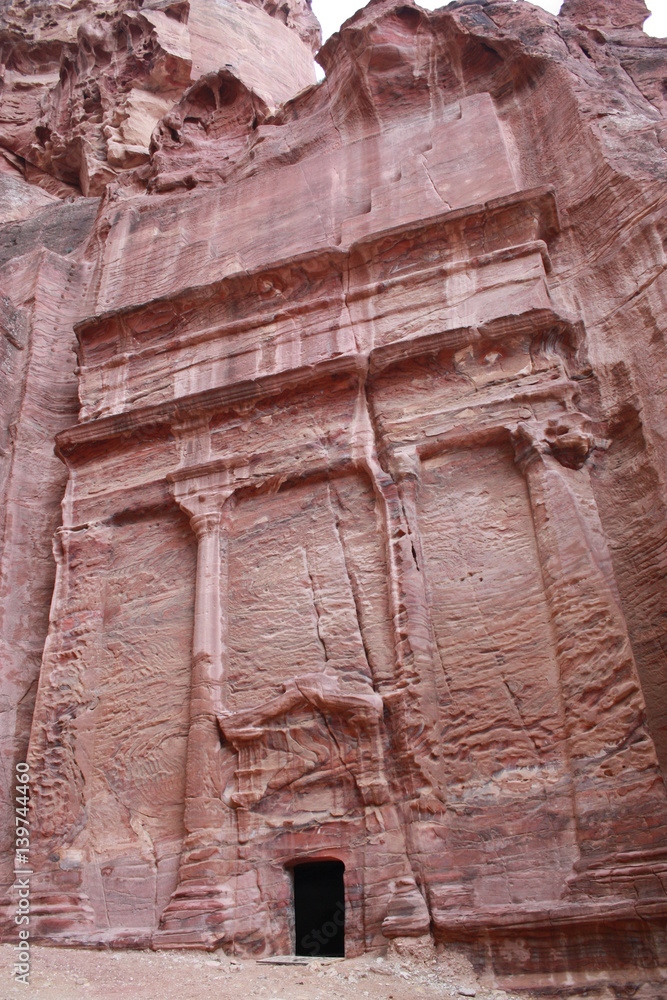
<point>420,699</point>
<point>194,440</point>
<point>420,703</point>
<point>199,907</point>
<point>60,909</point>
<point>419,662</point>
<point>406,471</point>
<point>619,800</point>
<point>203,802</point>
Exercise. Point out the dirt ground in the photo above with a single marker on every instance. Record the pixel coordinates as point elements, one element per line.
<point>70,974</point>
<point>81,974</point>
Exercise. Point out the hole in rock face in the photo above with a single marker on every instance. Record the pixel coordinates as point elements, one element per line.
<point>319,909</point>
<point>409,16</point>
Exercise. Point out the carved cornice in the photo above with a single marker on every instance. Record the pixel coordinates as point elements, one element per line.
<point>541,199</point>
<point>212,482</point>
<point>477,424</point>
<point>192,409</point>
<point>297,311</point>
<point>178,411</point>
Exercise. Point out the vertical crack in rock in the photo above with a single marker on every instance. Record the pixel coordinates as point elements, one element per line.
<point>517,708</point>
<point>317,608</point>
<point>423,740</point>
<point>14,425</point>
<point>100,878</point>
<point>353,583</point>
<point>433,188</point>
<point>341,756</point>
<point>330,236</point>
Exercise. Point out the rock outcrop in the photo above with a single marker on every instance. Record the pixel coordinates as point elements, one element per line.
<point>86,84</point>
<point>363,528</point>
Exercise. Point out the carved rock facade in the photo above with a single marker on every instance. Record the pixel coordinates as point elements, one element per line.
<point>364,520</point>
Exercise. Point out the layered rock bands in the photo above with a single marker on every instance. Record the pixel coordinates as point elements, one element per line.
<point>353,545</point>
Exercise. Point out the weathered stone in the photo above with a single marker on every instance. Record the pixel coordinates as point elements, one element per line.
<point>363,534</point>
<point>83,92</point>
<point>60,228</point>
<point>620,14</point>
<point>19,200</point>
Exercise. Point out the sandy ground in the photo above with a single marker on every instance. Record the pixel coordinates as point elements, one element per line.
<point>83,974</point>
<point>70,974</point>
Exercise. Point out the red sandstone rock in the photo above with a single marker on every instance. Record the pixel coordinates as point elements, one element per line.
<point>363,535</point>
<point>83,92</point>
<point>620,14</point>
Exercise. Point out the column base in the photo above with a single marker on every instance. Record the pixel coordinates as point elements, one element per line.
<point>197,916</point>
<point>407,914</point>
<point>56,917</point>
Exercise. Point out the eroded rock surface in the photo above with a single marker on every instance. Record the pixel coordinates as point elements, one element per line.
<point>84,85</point>
<point>364,530</point>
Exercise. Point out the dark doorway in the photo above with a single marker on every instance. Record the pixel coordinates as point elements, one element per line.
<point>319,909</point>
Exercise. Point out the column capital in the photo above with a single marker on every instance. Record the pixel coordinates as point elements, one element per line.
<point>206,523</point>
<point>567,437</point>
<point>204,502</point>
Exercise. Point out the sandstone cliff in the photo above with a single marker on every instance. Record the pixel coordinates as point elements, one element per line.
<point>363,536</point>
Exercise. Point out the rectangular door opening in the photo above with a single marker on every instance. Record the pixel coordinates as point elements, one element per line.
<point>319,909</point>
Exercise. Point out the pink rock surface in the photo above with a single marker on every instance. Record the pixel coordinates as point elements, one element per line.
<point>363,530</point>
<point>84,90</point>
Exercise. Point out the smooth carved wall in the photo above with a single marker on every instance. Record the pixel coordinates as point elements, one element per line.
<point>139,756</point>
<point>505,763</point>
<point>122,660</point>
<point>297,587</point>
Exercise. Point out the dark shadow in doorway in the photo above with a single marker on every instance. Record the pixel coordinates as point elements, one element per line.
<point>319,909</point>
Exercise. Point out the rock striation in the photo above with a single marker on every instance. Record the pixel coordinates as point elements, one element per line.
<point>83,91</point>
<point>362,471</point>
